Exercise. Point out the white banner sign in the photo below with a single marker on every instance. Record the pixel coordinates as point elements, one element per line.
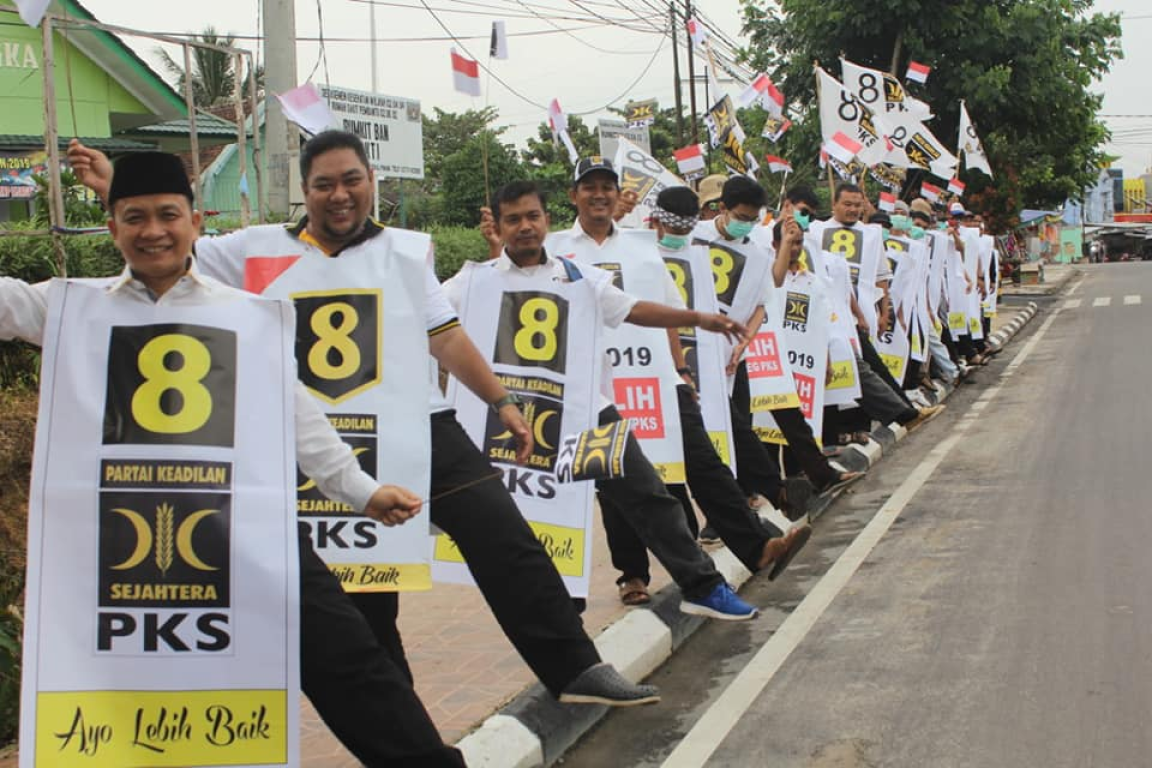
<point>611,131</point>
<point>389,126</point>
<point>163,617</point>
<point>539,337</point>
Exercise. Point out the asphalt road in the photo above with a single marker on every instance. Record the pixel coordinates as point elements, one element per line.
<point>1004,618</point>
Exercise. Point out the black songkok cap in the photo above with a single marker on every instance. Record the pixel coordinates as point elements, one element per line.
<point>149,173</point>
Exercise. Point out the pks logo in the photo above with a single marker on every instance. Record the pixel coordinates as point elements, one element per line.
<point>797,308</point>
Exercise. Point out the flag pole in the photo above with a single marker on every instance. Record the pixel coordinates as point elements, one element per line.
<point>831,185</point>
<point>484,134</point>
<point>783,188</point>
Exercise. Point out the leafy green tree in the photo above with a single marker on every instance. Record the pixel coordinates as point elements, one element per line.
<point>213,72</point>
<point>1023,66</point>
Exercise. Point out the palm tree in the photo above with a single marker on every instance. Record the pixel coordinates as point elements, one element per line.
<point>213,76</point>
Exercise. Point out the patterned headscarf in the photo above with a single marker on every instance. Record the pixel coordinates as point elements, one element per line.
<point>676,221</point>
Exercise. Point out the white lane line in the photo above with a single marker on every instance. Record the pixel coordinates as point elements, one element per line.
<point>1102,301</point>
<point>1076,287</point>
<point>1131,299</point>
<point>713,727</point>
<point>1072,304</point>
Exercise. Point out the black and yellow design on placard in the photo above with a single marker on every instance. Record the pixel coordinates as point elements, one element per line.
<point>357,430</point>
<point>796,308</point>
<point>164,550</point>
<point>847,242</point>
<point>727,269</point>
<point>170,383</point>
<point>338,341</point>
<point>544,414</point>
<point>921,151</point>
<point>597,453</point>
<point>532,330</point>
<point>681,272</point>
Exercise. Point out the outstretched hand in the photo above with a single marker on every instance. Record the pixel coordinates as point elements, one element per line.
<point>717,323</point>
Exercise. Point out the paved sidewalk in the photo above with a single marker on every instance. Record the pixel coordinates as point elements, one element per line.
<point>1056,276</point>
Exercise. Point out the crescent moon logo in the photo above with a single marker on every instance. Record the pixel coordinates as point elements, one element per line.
<point>143,539</point>
<point>184,539</point>
<point>538,429</point>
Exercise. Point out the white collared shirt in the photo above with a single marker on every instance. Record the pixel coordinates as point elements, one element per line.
<point>321,454</point>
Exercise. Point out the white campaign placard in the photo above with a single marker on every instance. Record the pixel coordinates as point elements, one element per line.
<point>389,126</point>
<point>991,278</point>
<point>359,325</point>
<point>644,378</point>
<point>860,246</point>
<point>541,337</point>
<point>162,620</point>
<point>643,174</point>
<point>805,328</point>
<point>770,383</point>
<point>705,353</point>
<point>843,387</point>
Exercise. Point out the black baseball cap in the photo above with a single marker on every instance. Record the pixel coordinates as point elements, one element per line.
<point>592,164</point>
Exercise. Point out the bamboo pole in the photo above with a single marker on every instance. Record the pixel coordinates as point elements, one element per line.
<point>241,139</point>
<point>257,154</point>
<point>52,141</point>
<point>193,139</point>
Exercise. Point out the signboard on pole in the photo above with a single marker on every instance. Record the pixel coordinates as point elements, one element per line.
<point>389,126</point>
<point>611,131</point>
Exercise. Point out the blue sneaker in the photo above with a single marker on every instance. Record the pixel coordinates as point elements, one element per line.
<point>721,603</point>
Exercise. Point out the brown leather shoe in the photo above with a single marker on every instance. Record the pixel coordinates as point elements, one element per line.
<point>634,592</point>
<point>778,552</point>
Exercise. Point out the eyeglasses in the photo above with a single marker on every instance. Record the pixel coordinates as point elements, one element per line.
<point>747,220</point>
<point>713,206</point>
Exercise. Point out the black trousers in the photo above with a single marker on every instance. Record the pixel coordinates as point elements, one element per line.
<point>365,699</point>
<point>511,568</point>
<point>876,363</point>
<point>802,446</point>
<point>724,504</point>
<point>639,513</point>
<point>756,470</point>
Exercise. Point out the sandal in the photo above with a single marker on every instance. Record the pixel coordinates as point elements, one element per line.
<point>634,592</point>
<point>861,438</point>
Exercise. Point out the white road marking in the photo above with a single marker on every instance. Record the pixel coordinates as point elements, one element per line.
<point>1102,301</point>
<point>1076,287</point>
<point>1072,304</point>
<point>713,727</point>
<point>1131,299</point>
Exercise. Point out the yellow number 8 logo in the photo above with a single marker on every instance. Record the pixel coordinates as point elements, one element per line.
<point>331,337</point>
<point>844,241</point>
<point>195,399</point>
<point>722,265</point>
<point>539,319</point>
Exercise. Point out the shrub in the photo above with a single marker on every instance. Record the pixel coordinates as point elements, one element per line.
<point>456,245</point>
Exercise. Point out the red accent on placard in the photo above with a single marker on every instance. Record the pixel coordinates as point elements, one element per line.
<point>260,271</point>
<point>638,401</point>
<point>806,391</point>
<point>763,358</point>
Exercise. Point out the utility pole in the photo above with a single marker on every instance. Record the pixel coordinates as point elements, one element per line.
<point>280,77</point>
<point>676,74</point>
<point>691,73</point>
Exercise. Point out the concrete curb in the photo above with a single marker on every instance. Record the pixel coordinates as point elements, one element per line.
<point>535,730</point>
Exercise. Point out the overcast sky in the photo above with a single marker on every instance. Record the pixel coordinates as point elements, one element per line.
<point>587,66</point>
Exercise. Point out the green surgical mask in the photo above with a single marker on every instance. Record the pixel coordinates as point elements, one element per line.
<point>803,219</point>
<point>674,242</point>
<point>942,225</point>
<point>739,229</point>
<point>916,233</point>
<point>901,222</point>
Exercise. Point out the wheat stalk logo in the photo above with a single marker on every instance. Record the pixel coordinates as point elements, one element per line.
<point>164,538</point>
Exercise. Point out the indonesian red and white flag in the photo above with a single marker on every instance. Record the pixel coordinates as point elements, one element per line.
<point>823,158</point>
<point>842,147</point>
<point>763,91</point>
<point>690,159</point>
<point>931,192</point>
<point>917,72</point>
<point>498,48</point>
<point>778,164</point>
<point>32,11</point>
<point>956,187</point>
<point>887,202</point>
<point>465,74</point>
<point>305,107</point>
<point>696,32</point>
<point>557,120</point>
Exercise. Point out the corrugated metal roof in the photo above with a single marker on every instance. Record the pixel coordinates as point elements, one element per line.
<point>207,125</point>
<point>32,141</point>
